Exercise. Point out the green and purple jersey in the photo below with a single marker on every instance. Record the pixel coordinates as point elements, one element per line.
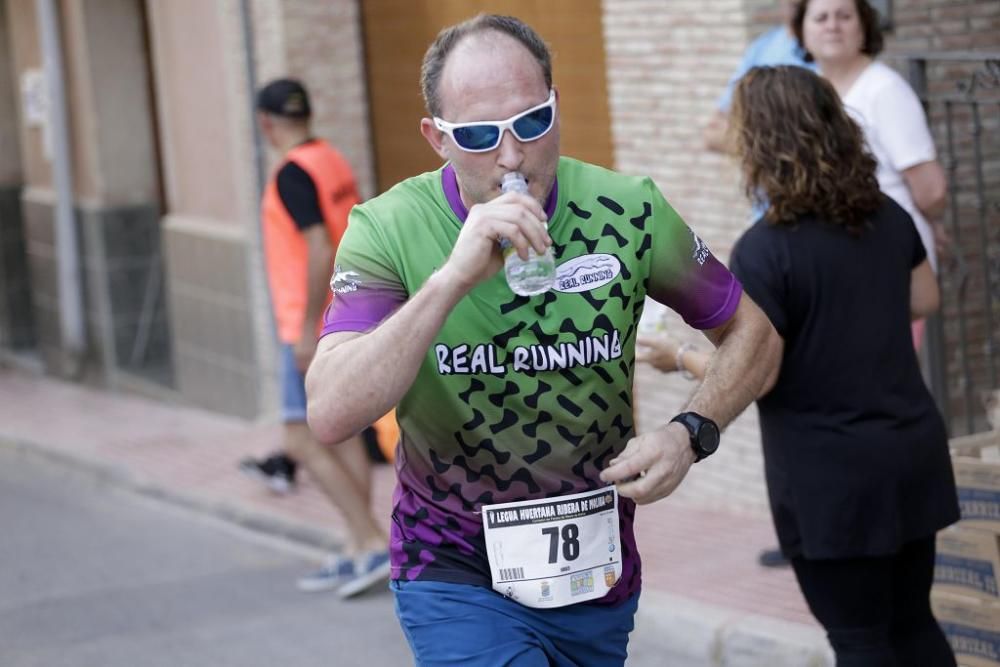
<point>520,397</point>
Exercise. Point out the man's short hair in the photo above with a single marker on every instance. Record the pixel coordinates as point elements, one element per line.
<point>286,98</point>
<point>447,39</point>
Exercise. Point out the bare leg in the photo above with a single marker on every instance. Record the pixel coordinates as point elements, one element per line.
<point>337,483</point>
<point>354,458</point>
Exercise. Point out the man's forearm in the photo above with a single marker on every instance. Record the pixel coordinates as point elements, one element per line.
<point>351,383</point>
<point>747,358</point>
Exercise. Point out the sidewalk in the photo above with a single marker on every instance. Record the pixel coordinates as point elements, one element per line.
<point>705,599</point>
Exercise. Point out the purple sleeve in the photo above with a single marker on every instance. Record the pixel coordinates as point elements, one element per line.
<point>684,274</point>
<point>708,299</point>
<point>359,311</point>
<point>365,283</point>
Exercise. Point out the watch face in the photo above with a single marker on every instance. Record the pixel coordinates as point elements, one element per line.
<point>708,436</point>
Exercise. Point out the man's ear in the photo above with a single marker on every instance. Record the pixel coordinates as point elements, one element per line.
<point>434,137</point>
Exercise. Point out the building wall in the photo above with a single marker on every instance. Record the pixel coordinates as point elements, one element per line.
<point>944,25</point>
<point>667,64</point>
<point>220,343</point>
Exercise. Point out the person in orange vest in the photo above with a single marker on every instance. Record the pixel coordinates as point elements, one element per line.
<point>304,214</point>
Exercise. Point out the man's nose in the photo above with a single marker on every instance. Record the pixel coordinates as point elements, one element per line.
<point>510,153</point>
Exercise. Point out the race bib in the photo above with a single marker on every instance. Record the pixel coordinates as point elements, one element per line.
<point>555,551</point>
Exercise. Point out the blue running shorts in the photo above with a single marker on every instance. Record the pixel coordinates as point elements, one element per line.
<point>471,626</point>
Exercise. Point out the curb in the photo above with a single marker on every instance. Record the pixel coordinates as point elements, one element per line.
<point>675,629</point>
<point>686,632</point>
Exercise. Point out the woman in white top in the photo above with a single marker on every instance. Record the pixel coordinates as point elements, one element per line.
<point>843,37</point>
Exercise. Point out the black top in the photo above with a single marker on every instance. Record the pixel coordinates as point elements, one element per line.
<point>855,451</point>
<point>298,193</point>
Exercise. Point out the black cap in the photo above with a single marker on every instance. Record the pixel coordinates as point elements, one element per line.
<point>284,97</point>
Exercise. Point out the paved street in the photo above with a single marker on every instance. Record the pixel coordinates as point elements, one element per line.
<point>113,553</point>
<point>95,575</point>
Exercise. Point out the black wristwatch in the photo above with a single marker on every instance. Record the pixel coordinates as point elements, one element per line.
<point>704,433</point>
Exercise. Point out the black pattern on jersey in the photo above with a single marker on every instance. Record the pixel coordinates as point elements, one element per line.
<point>541,336</point>
<point>589,244</point>
<point>571,376</point>
<point>547,299</point>
<point>596,303</point>
<point>412,520</point>
<point>532,400</point>
<point>569,406</point>
<point>521,475</point>
<point>601,323</point>
<point>577,211</point>
<point>599,402</point>
<point>474,386</point>
<point>595,430</point>
<point>484,445</point>
<point>477,420</point>
<point>516,302</point>
<point>611,233</point>
<point>618,293</point>
<point>439,495</point>
<point>543,450</point>
<point>624,430</point>
<point>602,460</point>
<point>563,489</point>
<point>530,429</point>
<point>639,221</point>
<point>509,419</point>
<point>610,204</point>
<point>509,389</point>
<point>501,339</point>
<point>604,375</point>
<point>569,436</point>
<point>626,399</point>
<point>647,245</point>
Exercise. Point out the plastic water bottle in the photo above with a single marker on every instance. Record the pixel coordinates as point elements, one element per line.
<point>526,277</point>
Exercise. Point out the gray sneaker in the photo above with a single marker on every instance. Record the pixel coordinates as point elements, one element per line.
<point>336,571</point>
<point>369,569</point>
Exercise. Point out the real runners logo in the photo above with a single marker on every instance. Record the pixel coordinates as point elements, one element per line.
<point>701,252</point>
<point>586,272</point>
<point>344,282</point>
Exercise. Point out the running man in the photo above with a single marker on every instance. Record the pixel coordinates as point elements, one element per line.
<point>519,469</point>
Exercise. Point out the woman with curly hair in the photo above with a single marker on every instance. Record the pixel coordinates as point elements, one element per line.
<point>855,451</point>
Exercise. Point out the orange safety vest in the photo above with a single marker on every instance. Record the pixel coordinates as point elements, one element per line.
<point>387,435</point>
<point>286,251</point>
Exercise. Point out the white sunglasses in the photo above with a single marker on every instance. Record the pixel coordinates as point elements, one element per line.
<point>484,135</point>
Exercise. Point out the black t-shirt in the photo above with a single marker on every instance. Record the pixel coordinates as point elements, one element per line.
<point>299,195</point>
<point>855,450</point>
